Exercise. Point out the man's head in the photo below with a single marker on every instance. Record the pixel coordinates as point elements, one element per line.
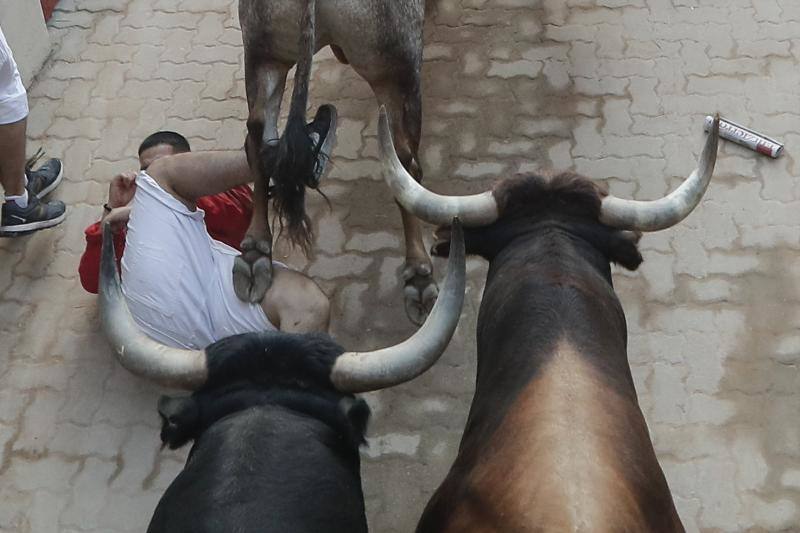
<point>159,144</point>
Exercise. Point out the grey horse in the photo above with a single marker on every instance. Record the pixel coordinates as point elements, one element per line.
<point>382,41</point>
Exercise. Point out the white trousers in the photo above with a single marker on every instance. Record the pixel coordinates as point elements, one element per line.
<point>13,98</point>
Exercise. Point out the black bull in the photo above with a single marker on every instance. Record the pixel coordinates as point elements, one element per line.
<point>277,455</point>
<point>275,425</point>
<point>555,439</point>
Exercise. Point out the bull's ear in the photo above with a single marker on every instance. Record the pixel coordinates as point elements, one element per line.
<point>179,418</point>
<point>623,250</point>
<point>357,413</point>
<point>484,241</point>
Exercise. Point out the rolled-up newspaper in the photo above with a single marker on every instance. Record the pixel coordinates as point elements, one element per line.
<point>746,137</point>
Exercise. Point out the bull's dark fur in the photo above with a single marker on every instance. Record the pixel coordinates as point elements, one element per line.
<point>549,280</point>
<point>275,445</point>
<point>297,156</point>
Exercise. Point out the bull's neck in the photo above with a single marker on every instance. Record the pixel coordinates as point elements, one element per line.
<point>543,290</point>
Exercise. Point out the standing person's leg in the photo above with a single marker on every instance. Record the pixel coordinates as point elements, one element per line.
<point>21,212</point>
<point>12,160</point>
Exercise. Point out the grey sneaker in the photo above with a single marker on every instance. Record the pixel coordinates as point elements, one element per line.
<point>45,179</point>
<point>16,220</point>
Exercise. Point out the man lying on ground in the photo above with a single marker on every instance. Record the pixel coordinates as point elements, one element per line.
<point>227,214</point>
<point>177,278</point>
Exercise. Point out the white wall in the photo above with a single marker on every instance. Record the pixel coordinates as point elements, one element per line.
<point>23,25</point>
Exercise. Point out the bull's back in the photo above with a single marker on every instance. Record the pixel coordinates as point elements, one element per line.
<point>264,470</point>
<point>569,455</point>
<point>361,28</point>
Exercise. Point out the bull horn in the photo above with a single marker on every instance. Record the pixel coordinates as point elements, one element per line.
<point>170,367</point>
<point>473,210</point>
<point>671,209</point>
<point>366,371</point>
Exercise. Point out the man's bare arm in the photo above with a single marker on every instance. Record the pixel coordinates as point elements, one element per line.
<point>190,175</point>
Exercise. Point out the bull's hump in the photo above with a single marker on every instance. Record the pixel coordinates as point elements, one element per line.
<point>554,453</point>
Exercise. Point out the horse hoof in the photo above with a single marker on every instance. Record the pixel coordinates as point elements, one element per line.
<point>420,292</point>
<point>252,270</point>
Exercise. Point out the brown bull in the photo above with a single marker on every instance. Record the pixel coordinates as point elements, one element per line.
<point>555,439</point>
<point>382,41</point>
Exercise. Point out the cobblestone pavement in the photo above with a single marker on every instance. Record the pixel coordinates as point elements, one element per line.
<point>607,87</point>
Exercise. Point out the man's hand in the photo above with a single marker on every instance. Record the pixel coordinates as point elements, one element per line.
<point>121,189</point>
<point>118,217</point>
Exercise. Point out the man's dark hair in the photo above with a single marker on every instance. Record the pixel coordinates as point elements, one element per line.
<point>176,140</point>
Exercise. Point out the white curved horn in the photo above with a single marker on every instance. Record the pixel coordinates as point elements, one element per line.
<point>366,371</point>
<point>473,210</point>
<point>671,209</point>
<point>170,367</point>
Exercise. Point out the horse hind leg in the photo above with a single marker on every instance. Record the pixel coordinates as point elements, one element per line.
<point>265,81</point>
<point>404,106</point>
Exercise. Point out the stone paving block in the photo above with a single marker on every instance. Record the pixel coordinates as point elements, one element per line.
<point>45,511</point>
<point>340,266</point>
<point>218,81</point>
<point>231,36</point>
<point>214,55</point>
<point>170,6</point>
<point>71,47</point>
<point>73,440</point>
<point>126,398</point>
<point>36,428</point>
<point>177,44</point>
<point>349,312</point>
<point>41,117</point>
<point>100,53</point>
<point>123,510</point>
<point>186,99</point>
<point>75,99</point>
<point>210,28</point>
<point>78,19</point>
<point>170,463</point>
<point>106,30</point>
<point>145,62</point>
<point>110,80</point>
<point>232,132</point>
<point>764,47</point>
<point>162,19</point>
<point>181,71</point>
<point>90,494</point>
<point>12,515</point>
<point>81,406</point>
<point>203,6</point>
<point>97,6</point>
<point>512,69</point>
<point>200,127</point>
<point>354,170</point>
<point>25,374</point>
<point>329,234</point>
